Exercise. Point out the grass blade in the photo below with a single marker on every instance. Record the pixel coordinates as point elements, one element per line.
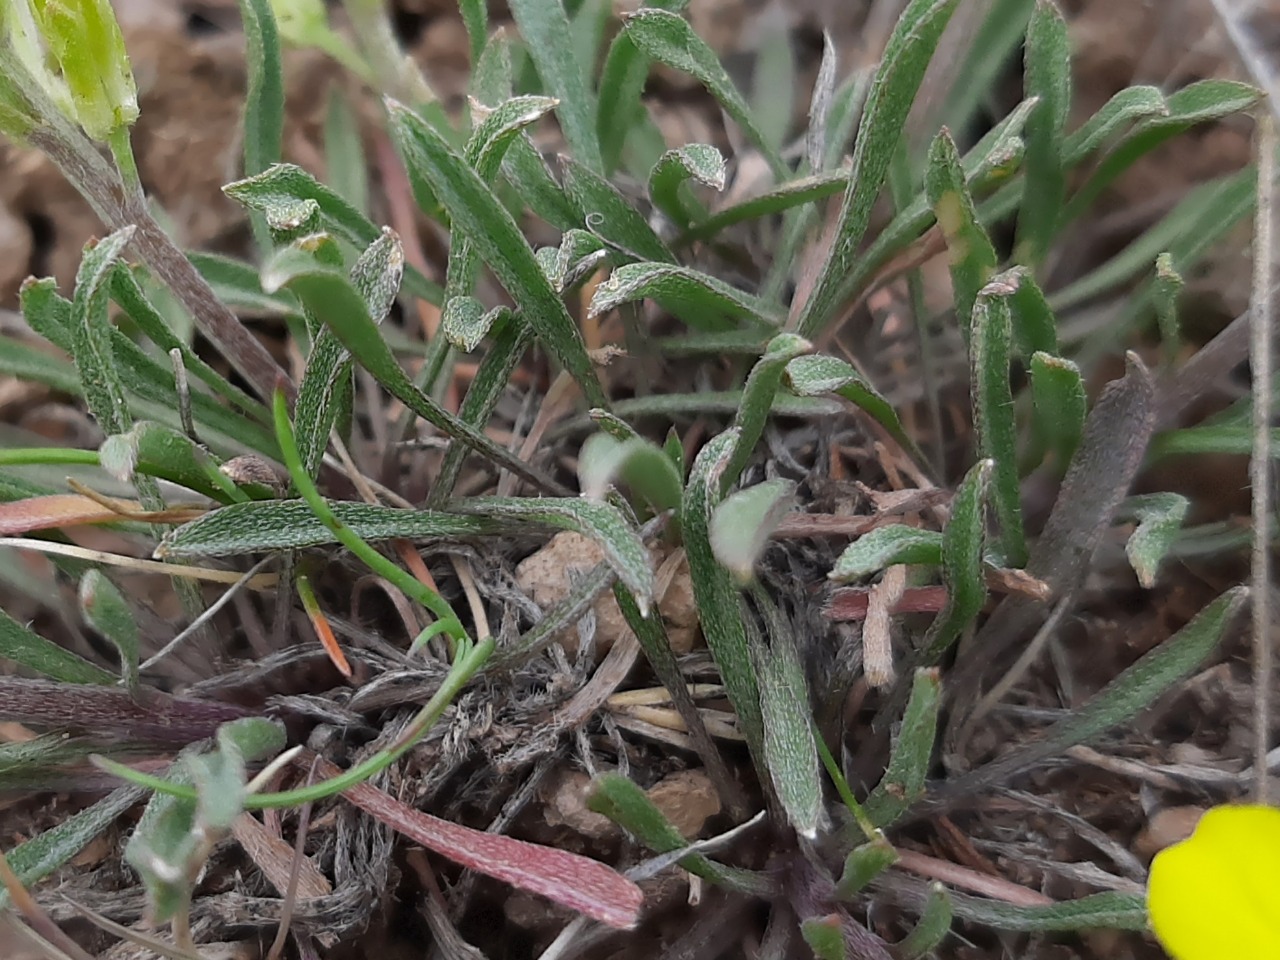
<point>893,91</point>
<point>45,657</point>
<point>477,212</point>
<point>909,761</point>
<point>545,28</point>
<point>264,99</point>
<point>1057,392</point>
<point>699,162</point>
<point>884,547</point>
<point>610,215</point>
<point>105,609</point>
<point>1048,77</point>
<point>698,299</point>
<point>742,524</point>
<point>963,545</point>
<point>757,400</point>
<point>1159,517</point>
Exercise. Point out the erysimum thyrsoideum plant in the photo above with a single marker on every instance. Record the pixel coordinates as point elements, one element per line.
<point>1216,895</point>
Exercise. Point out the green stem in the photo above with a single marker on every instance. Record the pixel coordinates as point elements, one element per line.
<point>842,787</point>
<point>306,487</point>
<point>122,150</point>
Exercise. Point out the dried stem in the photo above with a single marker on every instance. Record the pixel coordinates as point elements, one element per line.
<point>1260,464</point>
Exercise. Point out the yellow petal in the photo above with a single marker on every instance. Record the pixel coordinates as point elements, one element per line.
<point>1216,895</point>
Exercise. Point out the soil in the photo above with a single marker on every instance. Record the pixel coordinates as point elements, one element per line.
<point>1087,822</point>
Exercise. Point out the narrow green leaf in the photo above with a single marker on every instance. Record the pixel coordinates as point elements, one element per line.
<point>1057,392</point>
<point>824,937</point>
<point>912,753</point>
<point>165,850</point>
<point>645,468</point>
<point>932,927</point>
<point>610,215</point>
<point>475,15</point>
<point>45,657</point>
<point>993,415</point>
<point>697,298</point>
<point>345,166</point>
<point>1201,102</point>
<point>617,798</point>
<point>105,609</point>
<point>1127,107</point>
<point>963,544</point>
<point>820,103</point>
<point>719,608</point>
<point>334,301</point>
<point>742,524</point>
<point>698,162</point>
<point>465,322</point>
<point>670,405</point>
<point>784,197</point>
<point>1048,77</point>
<point>1159,517</point>
<point>47,312</point>
<point>597,520</point>
<point>757,400</point>
<point>887,546</point>
<point>39,857</point>
<point>239,285</point>
<point>545,28</point>
<point>1124,697</point>
<point>581,253</point>
<point>812,376</point>
<point>94,358</point>
<point>528,173</point>
<point>971,256</point>
<point>621,84</point>
<point>773,84</point>
<point>906,56</point>
<point>989,51</point>
<point>264,101</point>
<point>668,38</point>
<point>863,864</point>
<point>485,150</point>
<point>1034,325</point>
<point>794,768</point>
<point>477,212</point>
<point>283,193</point>
<point>259,526</point>
<point>1109,910</point>
<point>1226,438</point>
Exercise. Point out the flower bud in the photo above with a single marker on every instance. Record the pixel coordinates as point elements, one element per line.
<point>84,39</point>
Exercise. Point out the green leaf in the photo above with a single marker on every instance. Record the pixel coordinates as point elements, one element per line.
<point>1159,517</point>
<point>812,376</point>
<point>264,99</point>
<point>485,150</point>
<point>581,253</point>
<point>105,609</point>
<point>610,215</point>
<point>698,299</point>
<point>284,193</point>
<point>794,768</point>
<point>265,525</point>
<point>1224,438</point>
<point>334,301</point>
<point>825,937</point>
<point>1034,325</point>
<point>621,84</point>
<point>128,293</point>
<point>1128,106</point>
<point>475,15</point>
<point>645,468</point>
<point>773,84</point>
<point>694,161</point>
<point>477,212</point>
<point>932,927</point>
<point>1164,295</point>
<point>95,361</point>
<point>742,524</point>
<point>465,322</point>
<point>1057,392</point>
<point>784,197</point>
<point>668,38</point>
<point>1109,910</point>
<point>863,864</point>
<point>887,546</point>
<point>1048,77</point>
<point>909,761</point>
<point>345,165</point>
<point>1124,697</point>
<point>45,657</point>
<point>963,545</point>
<point>545,28</point>
<point>47,312</point>
<point>906,56</point>
<point>970,254</point>
<point>239,285</point>
<point>992,397</point>
<point>988,54</point>
<point>42,855</point>
<point>1201,102</point>
<point>757,400</point>
<point>167,852</point>
<point>528,173</point>
<point>617,798</point>
<point>597,520</point>
<point>719,609</point>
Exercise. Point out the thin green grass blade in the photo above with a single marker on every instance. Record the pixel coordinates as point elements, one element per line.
<point>45,657</point>
<point>909,761</point>
<point>963,546</point>
<point>743,522</point>
<point>1058,397</point>
<point>346,168</point>
<point>697,298</point>
<point>642,466</point>
<point>884,547</point>
<point>674,172</point>
<point>610,215</point>
<point>1160,517</point>
<point>786,196</point>
<point>105,609</point>
<point>1002,32</point>
<point>757,400</point>
<point>1048,77</point>
<point>94,358</point>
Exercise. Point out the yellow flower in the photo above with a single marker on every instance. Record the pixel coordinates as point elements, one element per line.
<point>1216,895</point>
